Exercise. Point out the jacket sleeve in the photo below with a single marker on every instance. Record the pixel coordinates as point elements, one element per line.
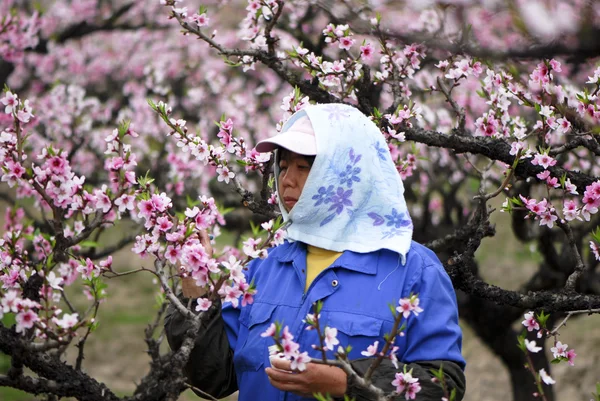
<point>385,373</point>
<point>210,367</point>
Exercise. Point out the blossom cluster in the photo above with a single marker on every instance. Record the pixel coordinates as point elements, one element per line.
<point>18,32</point>
<point>560,351</point>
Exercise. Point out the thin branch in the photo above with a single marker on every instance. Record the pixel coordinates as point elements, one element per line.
<point>579,266</point>
<point>575,312</point>
<point>109,250</point>
<point>574,143</point>
<point>460,111</point>
<point>388,344</point>
<point>160,272</point>
<point>203,393</point>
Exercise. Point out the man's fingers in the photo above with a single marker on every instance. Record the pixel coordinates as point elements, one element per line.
<point>280,363</point>
<point>288,381</point>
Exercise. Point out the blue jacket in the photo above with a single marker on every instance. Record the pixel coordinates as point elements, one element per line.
<point>356,292</point>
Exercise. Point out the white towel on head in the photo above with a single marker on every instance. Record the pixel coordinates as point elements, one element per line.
<point>353,198</point>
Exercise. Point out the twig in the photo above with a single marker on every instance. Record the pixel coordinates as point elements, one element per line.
<point>388,344</point>
<point>579,266</point>
<point>575,312</point>
<point>460,111</point>
<point>160,273</point>
<point>502,187</point>
<point>204,394</point>
<point>81,343</point>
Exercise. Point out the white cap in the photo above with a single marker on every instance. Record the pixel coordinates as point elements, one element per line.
<point>299,138</point>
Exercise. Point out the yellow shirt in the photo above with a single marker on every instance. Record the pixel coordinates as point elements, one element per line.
<point>317,260</point>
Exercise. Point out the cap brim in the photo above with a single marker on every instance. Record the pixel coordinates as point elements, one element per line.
<point>297,142</point>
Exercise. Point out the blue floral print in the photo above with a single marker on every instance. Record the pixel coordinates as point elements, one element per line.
<point>381,152</point>
<point>394,220</point>
<point>397,219</point>
<point>341,199</point>
<point>350,176</point>
<point>324,195</point>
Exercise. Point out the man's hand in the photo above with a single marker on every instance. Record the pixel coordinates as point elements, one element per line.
<point>317,378</point>
<point>188,285</point>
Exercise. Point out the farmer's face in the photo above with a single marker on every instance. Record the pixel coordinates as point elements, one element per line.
<point>293,172</point>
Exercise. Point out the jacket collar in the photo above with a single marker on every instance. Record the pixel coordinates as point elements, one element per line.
<point>360,262</point>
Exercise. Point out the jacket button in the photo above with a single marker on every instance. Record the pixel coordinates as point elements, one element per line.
<point>334,283</point>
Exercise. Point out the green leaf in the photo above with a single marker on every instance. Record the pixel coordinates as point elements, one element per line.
<point>318,306</point>
<point>191,202</point>
<point>255,229</point>
<point>123,128</point>
<point>521,341</point>
<point>542,318</point>
<point>231,63</point>
<point>224,210</point>
<point>89,244</point>
<point>49,260</point>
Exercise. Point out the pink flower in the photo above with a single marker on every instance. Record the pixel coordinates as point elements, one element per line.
<point>203,304</point>
<point>546,377</point>
<point>299,361</point>
<point>15,172</point>
<point>290,348</point>
<point>106,264</point>
<point>172,253</point>
<point>537,208</point>
<point>403,382</point>
<point>412,390</point>
<point>88,270</point>
<point>191,213</point>
<point>25,320</point>
<point>559,349</point>
<point>371,349</point>
<point>570,211</point>
<point>270,331</point>
<point>232,294</point>
<point>201,20</point>
<point>11,101</point>
<point>571,356</point>
<point>146,209</point>
<point>223,174</point>
<point>555,65</point>
<point>530,322</point>
<point>103,202</point>
<point>570,188</point>
<point>161,202</point>
<point>331,338</point>
<point>247,299</point>
<point>249,247</point>
<point>67,321</point>
<point>531,346</point>
<point>548,219</point>
<point>408,305</point>
<point>346,43</point>
<point>366,51</point>
<point>164,223</point>
<point>125,202</point>
<point>24,115</point>
<point>543,160</point>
